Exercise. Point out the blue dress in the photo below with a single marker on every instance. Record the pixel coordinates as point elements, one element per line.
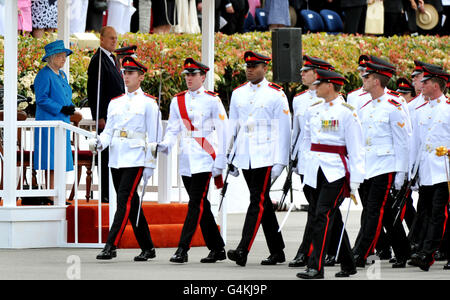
<point>278,12</point>
<point>52,93</point>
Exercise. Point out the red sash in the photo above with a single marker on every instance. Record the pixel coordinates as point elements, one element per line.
<point>342,151</point>
<point>203,142</point>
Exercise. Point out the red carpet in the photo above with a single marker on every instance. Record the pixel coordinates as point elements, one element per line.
<point>165,224</point>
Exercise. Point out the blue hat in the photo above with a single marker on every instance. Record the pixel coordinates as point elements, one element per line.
<point>55,47</point>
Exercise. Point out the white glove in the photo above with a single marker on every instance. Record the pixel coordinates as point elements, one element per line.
<point>233,171</point>
<point>276,171</point>
<point>95,144</point>
<point>216,172</point>
<point>148,172</point>
<point>163,148</point>
<point>354,188</point>
<point>399,180</point>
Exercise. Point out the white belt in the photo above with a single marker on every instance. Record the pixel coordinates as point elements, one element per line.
<point>128,134</point>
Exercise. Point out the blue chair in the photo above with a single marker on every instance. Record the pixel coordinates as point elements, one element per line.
<point>332,20</point>
<point>261,19</point>
<point>249,23</point>
<point>312,21</point>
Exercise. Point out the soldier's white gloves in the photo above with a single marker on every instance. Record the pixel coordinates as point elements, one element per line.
<point>399,180</point>
<point>276,171</point>
<point>148,172</point>
<point>233,170</point>
<point>354,188</point>
<point>163,148</point>
<point>216,172</point>
<point>95,144</point>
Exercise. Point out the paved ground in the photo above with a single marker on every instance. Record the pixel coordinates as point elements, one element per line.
<point>74,263</point>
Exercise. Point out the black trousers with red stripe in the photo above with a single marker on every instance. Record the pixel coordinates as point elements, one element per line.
<point>199,212</point>
<point>376,202</point>
<point>260,212</point>
<point>325,201</point>
<point>126,181</point>
<point>306,245</point>
<point>434,202</point>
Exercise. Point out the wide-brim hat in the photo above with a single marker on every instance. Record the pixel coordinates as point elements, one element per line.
<point>428,19</point>
<point>54,48</point>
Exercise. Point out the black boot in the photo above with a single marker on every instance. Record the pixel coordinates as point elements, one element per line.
<point>180,256</point>
<point>108,252</point>
<point>300,260</point>
<point>214,255</point>
<point>146,255</point>
<point>239,256</point>
<point>274,258</point>
<point>310,274</point>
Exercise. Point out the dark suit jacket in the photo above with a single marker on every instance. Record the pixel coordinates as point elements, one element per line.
<point>353,3</point>
<point>111,84</point>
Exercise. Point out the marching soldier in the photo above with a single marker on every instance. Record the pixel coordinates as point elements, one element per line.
<point>335,167</point>
<point>301,102</point>
<point>133,122</point>
<point>261,111</point>
<point>432,130</point>
<point>198,114</point>
<point>386,141</point>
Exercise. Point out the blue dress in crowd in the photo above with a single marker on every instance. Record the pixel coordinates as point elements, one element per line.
<point>52,93</point>
<point>278,12</point>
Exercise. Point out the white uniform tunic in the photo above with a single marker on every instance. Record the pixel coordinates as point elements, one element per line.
<point>208,116</point>
<point>300,104</point>
<point>132,124</point>
<point>386,136</point>
<point>431,130</point>
<point>262,113</point>
<point>358,98</point>
<point>335,123</point>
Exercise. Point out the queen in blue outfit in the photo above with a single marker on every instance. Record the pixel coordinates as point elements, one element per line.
<point>53,102</point>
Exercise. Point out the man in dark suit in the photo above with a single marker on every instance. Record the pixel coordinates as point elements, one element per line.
<point>354,11</point>
<point>111,86</point>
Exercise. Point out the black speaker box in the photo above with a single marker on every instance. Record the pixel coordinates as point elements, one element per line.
<point>287,54</point>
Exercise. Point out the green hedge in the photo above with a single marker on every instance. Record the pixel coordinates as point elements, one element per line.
<point>342,51</point>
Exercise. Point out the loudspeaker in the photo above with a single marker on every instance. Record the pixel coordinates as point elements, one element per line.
<point>287,54</point>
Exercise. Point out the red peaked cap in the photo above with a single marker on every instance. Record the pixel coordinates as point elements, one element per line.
<point>130,64</point>
<point>330,77</point>
<point>429,72</point>
<point>364,59</point>
<point>128,50</point>
<point>419,67</point>
<point>310,62</point>
<point>378,69</point>
<point>251,57</point>
<point>404,85</point>
<point>193,66</point>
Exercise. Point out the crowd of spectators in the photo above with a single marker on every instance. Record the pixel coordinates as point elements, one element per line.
<point>162,16</point>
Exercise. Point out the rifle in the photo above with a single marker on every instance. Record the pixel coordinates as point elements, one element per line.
<point>402,196</point>
<point>288,182</point>
<point>229,167</point>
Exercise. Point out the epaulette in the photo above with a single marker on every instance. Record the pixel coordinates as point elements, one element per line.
<point>318,102</point>
<point>117,97</point>
<point>181,93</point>
<point>151,96</point>
<point>348,106</point>
<point>214,94</point>
<point>275,86</point>
<point>393,102</point>
<point>448,101</point>
<point>366,103</point>
<point>393,93</point>
<point>240,85</point>
<point>301,93</point>
<point>422,105</point>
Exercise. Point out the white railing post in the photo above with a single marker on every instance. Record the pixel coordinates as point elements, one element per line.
<point>164,174</point>
<point>10,105</point>
<point>60,165</point>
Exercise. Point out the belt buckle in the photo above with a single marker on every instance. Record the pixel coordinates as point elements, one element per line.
<point>123,134</point>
